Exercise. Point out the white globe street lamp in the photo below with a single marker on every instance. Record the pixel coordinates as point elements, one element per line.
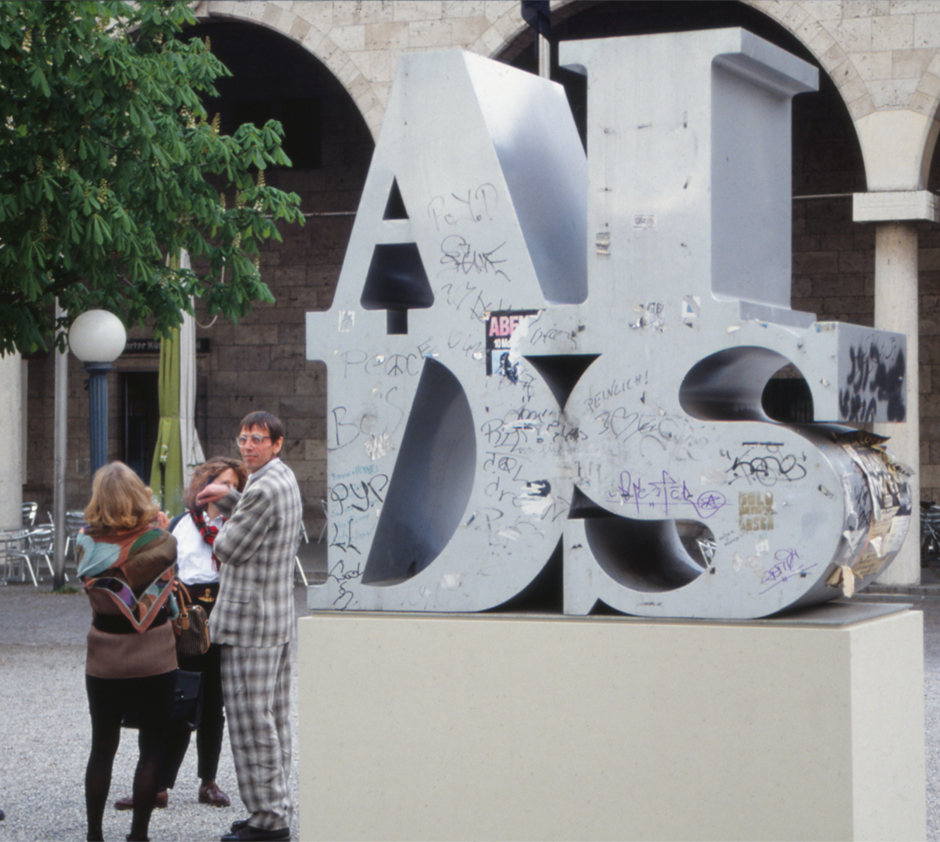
<point>97,338</point>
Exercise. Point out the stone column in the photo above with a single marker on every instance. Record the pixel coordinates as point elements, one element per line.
<point>12,457</point>
<point>896,308</point>
<point>898,146</point>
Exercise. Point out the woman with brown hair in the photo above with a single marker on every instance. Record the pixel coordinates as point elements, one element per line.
<point>126,561</point>
<point>198,570</point>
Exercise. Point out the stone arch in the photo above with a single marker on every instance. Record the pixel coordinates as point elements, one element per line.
<point>825,48</point>
<point>305,32</point>
<point>795,32</point>
<point>901,116</point>
<point>504,32</point>
<point>908,111</point>
<point>798,21</point>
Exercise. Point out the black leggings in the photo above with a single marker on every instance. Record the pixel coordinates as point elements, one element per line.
<point>109,699</point>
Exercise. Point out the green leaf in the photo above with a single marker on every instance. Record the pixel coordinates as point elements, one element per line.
<point>112,106</point>
<point>38,80</point>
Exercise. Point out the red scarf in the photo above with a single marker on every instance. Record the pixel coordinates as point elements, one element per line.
<point>207,530</point>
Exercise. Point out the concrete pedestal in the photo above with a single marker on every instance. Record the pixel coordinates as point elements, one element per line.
<point>527,727</point>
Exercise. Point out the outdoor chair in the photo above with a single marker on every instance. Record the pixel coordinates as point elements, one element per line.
<point>300,567</point>
<point>74,521</point>
<point>29,514</point>
<point>14,559</point>
<point>326,519</point>
<point>39,550</point>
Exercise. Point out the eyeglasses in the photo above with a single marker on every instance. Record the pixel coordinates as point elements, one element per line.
<point>255,439</point>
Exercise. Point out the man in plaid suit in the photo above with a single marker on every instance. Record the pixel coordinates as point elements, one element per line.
<point>254,621</point>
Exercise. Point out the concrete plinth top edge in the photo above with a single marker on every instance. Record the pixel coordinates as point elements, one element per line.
<point>839,613</point>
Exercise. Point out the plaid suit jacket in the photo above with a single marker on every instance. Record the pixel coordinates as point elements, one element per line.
<point>256,548</point>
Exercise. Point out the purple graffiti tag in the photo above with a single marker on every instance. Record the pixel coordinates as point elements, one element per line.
<point>787,565</point>
<point>709,502</point>
<point>667,494</point>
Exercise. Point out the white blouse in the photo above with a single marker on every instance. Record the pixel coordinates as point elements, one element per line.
<point>193,554</point>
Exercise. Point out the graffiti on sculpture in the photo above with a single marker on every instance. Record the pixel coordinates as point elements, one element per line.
<point>540,360</point>
<point>876,377</point>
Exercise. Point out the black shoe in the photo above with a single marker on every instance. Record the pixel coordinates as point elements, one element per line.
<point>249,833</point>
<point>237,826</point>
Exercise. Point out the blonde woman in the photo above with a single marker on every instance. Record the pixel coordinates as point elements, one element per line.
<point>198,569</point>
<point>126,561</point>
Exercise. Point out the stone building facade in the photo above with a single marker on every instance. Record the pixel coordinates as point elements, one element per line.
<point>866,246</point>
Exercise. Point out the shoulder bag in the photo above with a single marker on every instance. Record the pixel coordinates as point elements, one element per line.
<point>191,627</point>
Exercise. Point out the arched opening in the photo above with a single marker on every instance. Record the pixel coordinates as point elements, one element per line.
<point>261,362</point>
<point>276,78</point>
<point>826,155</point>
<point>928,238</point>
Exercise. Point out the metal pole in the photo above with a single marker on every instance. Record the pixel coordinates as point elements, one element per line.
<point>59,457</point>
<point>98,413</point>
<point>545,57</point>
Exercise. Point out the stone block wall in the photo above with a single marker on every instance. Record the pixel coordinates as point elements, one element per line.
<point>40,433</point>
<point>929,253</point>
<point>833,261</point>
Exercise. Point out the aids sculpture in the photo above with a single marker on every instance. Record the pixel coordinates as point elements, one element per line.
<point>540,358</point>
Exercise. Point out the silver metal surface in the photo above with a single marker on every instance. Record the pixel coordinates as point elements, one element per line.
<point>569,367</point>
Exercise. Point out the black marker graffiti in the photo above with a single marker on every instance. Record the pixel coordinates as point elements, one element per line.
<point>360,495</point>
<point>478,206</point>
<point>615,389</point>
<point>876,377</point>
<point>393,365</point>
<point>341,575</point>
<point>765,470</point>
<point>667,433</point>
<point>457,255</point>
<point>342,537</point>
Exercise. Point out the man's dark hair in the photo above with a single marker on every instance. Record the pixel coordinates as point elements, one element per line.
<point>266,421</point>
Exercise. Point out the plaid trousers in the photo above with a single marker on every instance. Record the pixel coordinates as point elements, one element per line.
<point>256,688</point>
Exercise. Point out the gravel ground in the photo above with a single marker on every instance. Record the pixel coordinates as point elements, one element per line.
<point>45,732</point>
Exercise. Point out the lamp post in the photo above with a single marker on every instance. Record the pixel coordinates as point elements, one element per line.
<point>97,338</point>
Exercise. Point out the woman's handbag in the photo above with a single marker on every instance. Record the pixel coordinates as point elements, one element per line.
<point>187,700</point>
<point>187,703</point>
<point>191,627</point>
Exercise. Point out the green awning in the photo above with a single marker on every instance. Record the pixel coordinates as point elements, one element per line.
<point>166,474</point>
